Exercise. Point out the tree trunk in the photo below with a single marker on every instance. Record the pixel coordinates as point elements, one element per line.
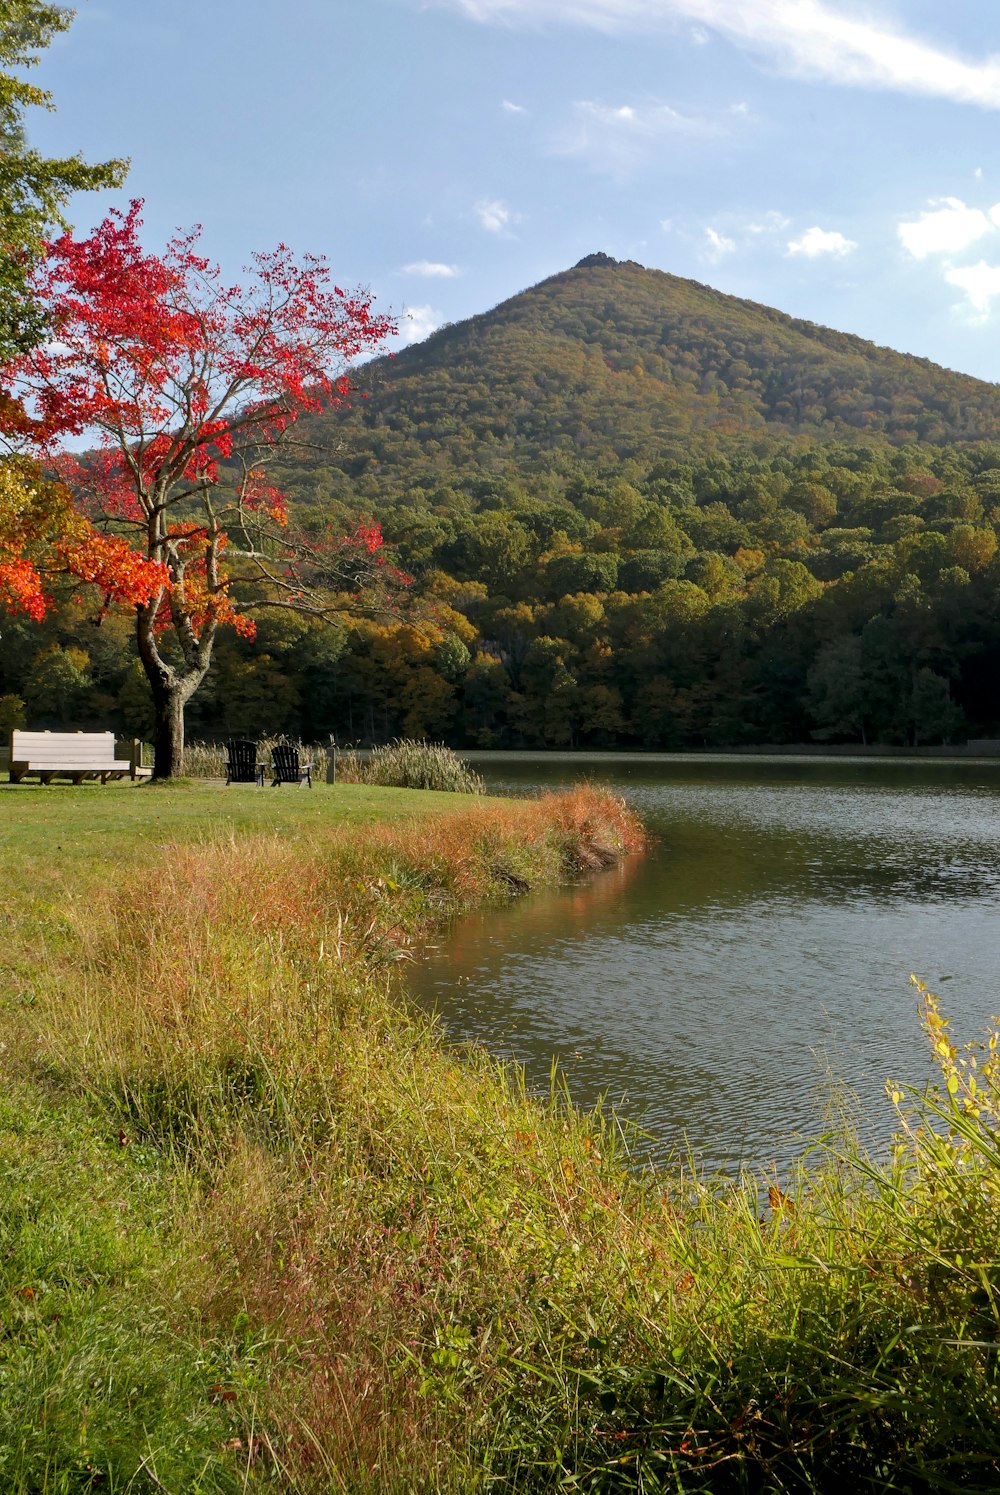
<point>168,745</point>
<point>172,686</point>
<point>171,691</point>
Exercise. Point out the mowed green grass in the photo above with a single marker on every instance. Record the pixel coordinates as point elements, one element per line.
<point>61,824</point>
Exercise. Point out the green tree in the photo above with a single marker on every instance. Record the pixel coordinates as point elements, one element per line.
<point>837,690</point>
<point>934,715</point>
<point>566,574</point>
<point>429,704</point>
<point>452,658</point>
<point>135,704</point>
<point>486,690</point>
<point>551,693</point>
<point>601,717</point>
<point>34,189</point>
<point>58,681</point>
<point>13,713</point>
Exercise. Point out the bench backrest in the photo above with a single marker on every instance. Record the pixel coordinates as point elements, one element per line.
<point>52,749</point>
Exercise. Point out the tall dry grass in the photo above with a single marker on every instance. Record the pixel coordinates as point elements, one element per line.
<point>409,764</point>
<point>474,1289</point>
<point>242,1015</point>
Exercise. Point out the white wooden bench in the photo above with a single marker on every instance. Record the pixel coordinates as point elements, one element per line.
<point>66,755</point>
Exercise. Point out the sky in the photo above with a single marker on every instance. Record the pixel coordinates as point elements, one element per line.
<point>836,159</point>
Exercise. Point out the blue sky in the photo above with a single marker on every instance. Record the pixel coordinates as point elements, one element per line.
<point>840,161</point>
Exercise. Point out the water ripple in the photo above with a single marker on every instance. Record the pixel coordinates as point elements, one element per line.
<point>732,989</point>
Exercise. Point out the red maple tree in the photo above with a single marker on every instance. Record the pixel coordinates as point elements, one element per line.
<point>188,385</point>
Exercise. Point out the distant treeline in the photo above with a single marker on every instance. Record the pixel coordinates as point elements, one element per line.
<point>837,593</point>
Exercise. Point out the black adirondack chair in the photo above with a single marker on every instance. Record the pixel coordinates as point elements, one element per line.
<point>241,763</point>
<point>287,767</point>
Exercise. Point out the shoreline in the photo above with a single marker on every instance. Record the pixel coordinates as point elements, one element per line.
<point>380,1265</point>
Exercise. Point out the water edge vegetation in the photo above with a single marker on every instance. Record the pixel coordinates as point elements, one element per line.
<point>265,1229</point>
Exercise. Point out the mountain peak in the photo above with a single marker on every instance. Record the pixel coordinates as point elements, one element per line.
<point>597,261</point>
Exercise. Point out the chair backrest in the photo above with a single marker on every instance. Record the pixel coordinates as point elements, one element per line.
<point>286,763</point>
<point>242,761</point>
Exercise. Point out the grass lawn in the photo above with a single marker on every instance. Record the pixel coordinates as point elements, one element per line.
<point>87,824</point>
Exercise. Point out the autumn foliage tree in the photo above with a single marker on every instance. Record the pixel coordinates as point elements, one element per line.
<point>187,386</point>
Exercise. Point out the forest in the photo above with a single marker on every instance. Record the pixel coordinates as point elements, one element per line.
<point>763,532</point>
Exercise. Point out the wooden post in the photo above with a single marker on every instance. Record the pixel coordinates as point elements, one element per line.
<point>331,762</point>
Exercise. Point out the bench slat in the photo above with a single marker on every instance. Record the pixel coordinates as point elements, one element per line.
<point>72,754</point>
<point>37,765</point>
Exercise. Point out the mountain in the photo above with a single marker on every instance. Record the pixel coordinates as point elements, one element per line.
<point>609,361</point>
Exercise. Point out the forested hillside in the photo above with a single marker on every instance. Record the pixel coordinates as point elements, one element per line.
<point>637,513</point>
<point>610,362</point>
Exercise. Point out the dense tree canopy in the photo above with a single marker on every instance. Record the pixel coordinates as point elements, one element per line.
<point>609,363</point>
<point>877,619</point>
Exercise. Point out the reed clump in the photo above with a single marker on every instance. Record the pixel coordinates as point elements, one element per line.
<point>473,1288</point>
<point>409,764</point>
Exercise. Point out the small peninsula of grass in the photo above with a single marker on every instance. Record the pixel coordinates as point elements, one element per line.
<point>264,1229</point>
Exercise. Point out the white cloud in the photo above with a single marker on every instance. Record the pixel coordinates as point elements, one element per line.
<point>495,216</point>
<point>805,38</point>
<point>718,244</point>
<point>512,108</point>
<point>760,233</point>
<point>418,322</point>
<point>614,137</point>
<point>432,269</point>
<point>648,120</point>
<point>816,241</point>
<point>947,227</point>
<point>769,223</point>
<point>981,284</point>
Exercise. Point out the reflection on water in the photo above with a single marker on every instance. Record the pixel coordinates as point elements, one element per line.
<point>723,988</point>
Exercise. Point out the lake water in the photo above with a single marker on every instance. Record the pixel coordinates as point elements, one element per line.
<point>752,971</point>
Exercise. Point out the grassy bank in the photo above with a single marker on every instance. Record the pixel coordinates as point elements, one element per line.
<point>265,1230</point>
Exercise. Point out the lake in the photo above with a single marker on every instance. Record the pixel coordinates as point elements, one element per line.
<point>748,979</point>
